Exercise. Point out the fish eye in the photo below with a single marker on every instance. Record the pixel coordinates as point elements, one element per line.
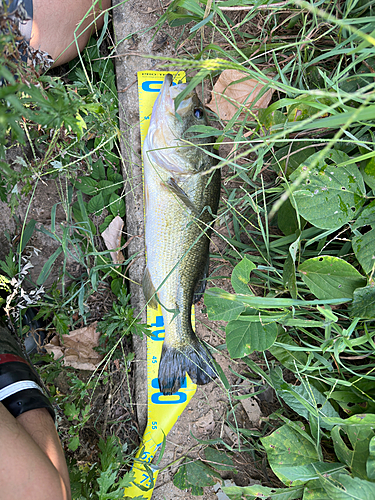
<point>198,113</point>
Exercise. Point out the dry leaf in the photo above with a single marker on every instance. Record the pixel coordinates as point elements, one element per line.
<point>252,410</point>
<point>77,348</point>
<point>206,424</point>
<point>112,239</point>
<point>236,94</point>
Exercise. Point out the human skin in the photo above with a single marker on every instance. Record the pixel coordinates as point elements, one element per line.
<point>55,26</point>
<point>32,462</point>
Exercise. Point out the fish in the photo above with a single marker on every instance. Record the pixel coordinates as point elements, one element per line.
<point>181,193</point>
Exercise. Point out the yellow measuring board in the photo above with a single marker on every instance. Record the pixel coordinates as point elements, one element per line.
<point>162,411</point>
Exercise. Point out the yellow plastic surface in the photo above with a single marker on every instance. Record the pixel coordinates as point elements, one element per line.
<point>163,411</point>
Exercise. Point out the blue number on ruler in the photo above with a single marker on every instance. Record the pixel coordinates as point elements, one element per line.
<point>156,334</point>
<point>146,456</point>
<point>146,477</point>
<point>155,398</point>
<point>154,425</point>
<point>154,359</point>
<point>149,86</point>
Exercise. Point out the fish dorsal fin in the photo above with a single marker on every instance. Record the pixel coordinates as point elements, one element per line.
<point>172,185</point>
<point>149,290</point>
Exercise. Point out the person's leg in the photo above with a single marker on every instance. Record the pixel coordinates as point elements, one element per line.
<point>32,463</point>
<point>55,21</point>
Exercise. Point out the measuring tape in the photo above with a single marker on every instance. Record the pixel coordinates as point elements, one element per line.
<point>162,411</point>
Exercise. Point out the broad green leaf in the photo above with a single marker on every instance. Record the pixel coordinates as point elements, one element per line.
<point>305,400</point>
<point>98,170</point>
<point>286,448</point>
<point>369,173</point>
<point>314,491</point>
<point>73,443</point>
<point>116,205</point>
<point>292,360</point>
<point>370,464</point>
<point>87,185</point>
<point>219,460</point>
<point>107,187</point>
<point>356,454</point>
<point>244,338</point>
<point>199,474</point>
<point>310,472</point>
<point>219,308</point>
<point>344,487</point>
<point>330,277</point>
<point>363,305</point>
<point>364,249</point>
<point>259,491</point>
<point>366,217</point>
<point>241,276</point>
<point>106,223</point>
<point>293,156</point>
<point>329,196</point>
<point>180,478</point>
<point>96,204</point>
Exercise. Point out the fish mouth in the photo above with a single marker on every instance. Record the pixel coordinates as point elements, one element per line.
<point>168,94</point>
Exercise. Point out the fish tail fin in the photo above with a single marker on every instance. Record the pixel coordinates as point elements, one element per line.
<point>193,358</point>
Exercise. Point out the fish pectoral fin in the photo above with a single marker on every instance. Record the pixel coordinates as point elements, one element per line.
<point>172,185</point>
<point>149,290</point>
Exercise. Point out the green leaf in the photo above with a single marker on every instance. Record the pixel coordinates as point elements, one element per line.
<point>116,205</point>
<point>96,204</point>
<point>61,323</point>
<point>107,187</point>
<point>219,308</point>
<point>289,276</point>
<point>344,487</point>
<point>363,305</point>
<point>180,478</point>
<point>370,464</point>
<point>292,360</point>
<point>98,170</point>
<point>290,156</point>
<point>329,196</point>
<point>364,249</point>
<point>106,223</point>
<point>286,448</point>
<point>330,277</point>
<point>287,218</point>
<point>219,460</point>
<point>87,185</point>
<point>356,454</point>
<point>199,474</point>
<point>73,443</point>
<point>47,268</point>
<point>259,491</point>
<point>27,234</point>
<point>244,338</point>
<point>366,217</point>
<point>369,173</point>
<point>306,401</point>
<point>241,276</point>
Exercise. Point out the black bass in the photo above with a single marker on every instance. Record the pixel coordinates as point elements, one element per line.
<point>181,197</point>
